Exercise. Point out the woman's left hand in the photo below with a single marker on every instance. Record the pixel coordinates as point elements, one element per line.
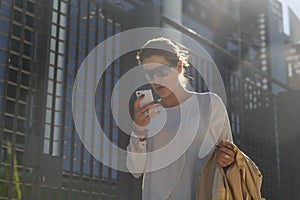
<point>225,155</point>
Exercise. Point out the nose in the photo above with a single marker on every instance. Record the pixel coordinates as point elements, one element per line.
<point>156,77</point>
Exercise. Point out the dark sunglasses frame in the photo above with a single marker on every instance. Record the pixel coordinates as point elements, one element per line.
<point>160,71</point>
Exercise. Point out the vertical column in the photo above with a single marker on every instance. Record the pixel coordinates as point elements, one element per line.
<point>173,10</point>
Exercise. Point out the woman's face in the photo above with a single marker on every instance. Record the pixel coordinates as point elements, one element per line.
<point>161,75</point>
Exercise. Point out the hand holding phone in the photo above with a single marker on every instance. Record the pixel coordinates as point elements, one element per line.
<point>148,97</point>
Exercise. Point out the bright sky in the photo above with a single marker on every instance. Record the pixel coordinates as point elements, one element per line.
<point>295,6</point>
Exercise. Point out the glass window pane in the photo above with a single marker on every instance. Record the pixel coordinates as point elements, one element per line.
<point>15,45</point>
<point>10,107</point>
<point>59,77</point>
<point>16,30</point>
<point>48,120</point>
<point>63,21</point>
<point>29,21</point>
<point>26,64</point>
<point>58,104</point>
<point>30,6</point>
<point>25,79</point>
<point>2,56</point>
<point>17,16</point>
<point>53,30</point>
<point>52,44</point>
<point>13,75</point>
<point>49,102</point>
<point>54,17</point>
<point>3,41</point>
<point>55,4</point>
<point>62,34</point>
<point>19,3</point>
<point>11,91</point>
<point>50,86</point>
<point>46,146</point>
<point>63,7</point>
<point>61,47</point>
<point>27,50</point>
<point>8,122</point>
<point>28,35</point>
<point>5,10</point>
<point>2,75</point>
<point>14,60</point>
<point>23,94</point>
<point>52,58</point>
<point>4,25</point>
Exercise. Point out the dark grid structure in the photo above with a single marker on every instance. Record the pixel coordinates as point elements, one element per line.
<point>262,31</point>
<point>20,90</point>
<point>293,64</point>
<point>42,46</point>
<point>76,27</point>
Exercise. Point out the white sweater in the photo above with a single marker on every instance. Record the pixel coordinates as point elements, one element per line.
<point>178,143</point>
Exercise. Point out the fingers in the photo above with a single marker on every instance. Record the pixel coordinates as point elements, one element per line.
<point>137,104</point>
<point>141,114</point>
<point>225,149</point>
<point>225,155</point>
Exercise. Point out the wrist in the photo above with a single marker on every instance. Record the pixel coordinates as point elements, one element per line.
<point>140,132</point>
<point>138,127</point>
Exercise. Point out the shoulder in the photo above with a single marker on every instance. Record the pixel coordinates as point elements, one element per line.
<point>215,103</point>
<point>210,97</point>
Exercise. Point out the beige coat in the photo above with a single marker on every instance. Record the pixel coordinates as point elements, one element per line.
<point>242,180</point>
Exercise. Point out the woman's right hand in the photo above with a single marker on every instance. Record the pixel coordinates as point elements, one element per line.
<point>141,114</point>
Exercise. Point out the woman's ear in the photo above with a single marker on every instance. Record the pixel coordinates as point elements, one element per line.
<point>179,66</point>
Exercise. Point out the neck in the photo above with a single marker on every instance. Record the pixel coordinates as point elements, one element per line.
<point>176,98</point>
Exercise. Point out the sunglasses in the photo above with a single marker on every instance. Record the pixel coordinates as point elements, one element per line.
<point>160,71</point>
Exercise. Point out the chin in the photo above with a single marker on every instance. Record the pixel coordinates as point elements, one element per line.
<point>163,94</point>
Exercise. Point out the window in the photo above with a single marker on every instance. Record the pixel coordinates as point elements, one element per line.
<point>17,16</point>
<point>30,7</point>
<point>14,60</point>
<point>25,64</point>
<point>2,56</point>
<point>25,79</point>
<point>4,25</point>
<point>16,30</point>
<point>3,41</point>
<point>19,3</point>
<point>28,35</point>
<point>15,45</point>
<point>27,50</point>
<point>5,10</point>
<point>29,21</point>
<point>13,75</point>
<point>8,122</point>
<point>10,106</point>
<point>23,94</point>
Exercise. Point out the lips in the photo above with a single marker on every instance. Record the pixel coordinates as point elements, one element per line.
<point>159,87</point>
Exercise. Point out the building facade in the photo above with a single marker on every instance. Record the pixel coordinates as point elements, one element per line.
<point>43,44</point>
<point>293,65</point>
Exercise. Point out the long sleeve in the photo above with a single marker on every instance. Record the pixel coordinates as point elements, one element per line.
<point>219,120</point>
<point>218,126</point>
<point>136,156</point>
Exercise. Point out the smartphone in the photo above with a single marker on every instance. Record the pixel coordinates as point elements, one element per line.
<point>148,96</point>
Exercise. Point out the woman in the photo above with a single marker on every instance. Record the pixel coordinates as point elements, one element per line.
<point>163,63</point>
